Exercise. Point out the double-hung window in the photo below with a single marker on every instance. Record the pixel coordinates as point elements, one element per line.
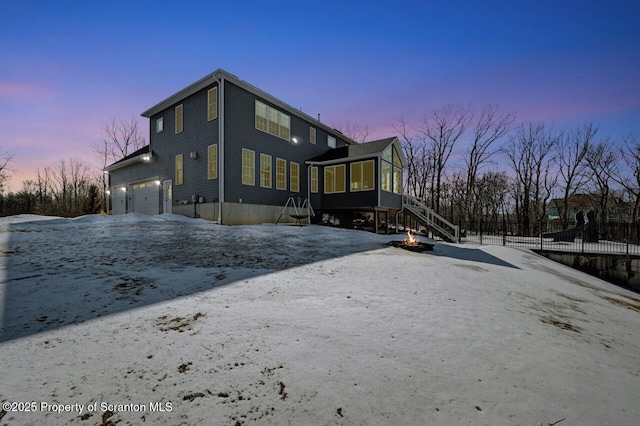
<point>265,171</point>
<point>212,104</point>
<point>179,119</point>
<point>294,177</point>
<point>212,161</point>
<point>179,169</point>
<point>281,174</point>
<point>248,167</point>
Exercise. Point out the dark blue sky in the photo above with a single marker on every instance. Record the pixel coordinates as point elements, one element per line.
<point>69,66</point>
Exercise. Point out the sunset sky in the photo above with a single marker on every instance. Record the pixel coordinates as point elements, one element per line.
<point>67,67</point>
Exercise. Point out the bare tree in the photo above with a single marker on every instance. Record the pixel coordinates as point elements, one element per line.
<point>442,128</point>
<point>418,171</point>
<point>489,127</point>
<point>69,182</point>
<point>5,158</point>
<point>572,149</point>
<point>529,151</point>
<point>353,131</point>
<point>602,160</point>
<point>630,155</point>
<point>119,139</point>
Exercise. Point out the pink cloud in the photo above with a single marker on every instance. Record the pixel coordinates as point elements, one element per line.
<point>22,92</point>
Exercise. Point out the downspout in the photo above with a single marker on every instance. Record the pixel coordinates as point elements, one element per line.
<point>220,149</point>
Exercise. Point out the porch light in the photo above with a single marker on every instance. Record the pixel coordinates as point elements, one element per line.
<point>146,157</point>
<point>123,189</point>
<point>157,182</point>
<point>108,192</point>
<point>294,140</point>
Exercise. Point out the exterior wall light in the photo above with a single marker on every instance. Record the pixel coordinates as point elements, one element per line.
<point>146,157</point>
<point>123,189</point>
<point>157,182</point>
<point>294,140</point>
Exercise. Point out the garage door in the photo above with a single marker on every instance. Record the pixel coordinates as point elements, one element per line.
<point>145,197</point>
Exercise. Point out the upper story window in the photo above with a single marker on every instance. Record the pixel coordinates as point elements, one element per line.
<point>179,119</point>
<point>212,102</point>
<point>159,124</point>
<point>331,141</point>
<point>272,121</point>
<point>312,135</point>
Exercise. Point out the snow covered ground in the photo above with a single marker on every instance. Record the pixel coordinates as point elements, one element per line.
<point>168,320</point>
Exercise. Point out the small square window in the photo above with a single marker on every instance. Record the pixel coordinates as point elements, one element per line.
<point>331,142</point>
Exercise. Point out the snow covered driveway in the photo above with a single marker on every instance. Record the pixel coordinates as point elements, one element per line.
<point>168,320</point>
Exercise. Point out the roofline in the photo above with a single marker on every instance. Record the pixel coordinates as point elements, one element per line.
<point>145,157</point>
<point>342,160</point>
<point>220,74</point>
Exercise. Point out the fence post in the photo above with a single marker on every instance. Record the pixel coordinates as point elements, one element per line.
<point>627,236</point>
<point>504,232</point>
<point>540,235</point>
<point>480,231</point>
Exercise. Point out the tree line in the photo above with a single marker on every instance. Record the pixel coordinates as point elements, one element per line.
<point>70,187</point>
<point>516,171</point>
<point>468,165</point>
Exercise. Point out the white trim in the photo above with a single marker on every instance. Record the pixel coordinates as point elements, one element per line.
<point>270,170</point>
<point>253,183</point>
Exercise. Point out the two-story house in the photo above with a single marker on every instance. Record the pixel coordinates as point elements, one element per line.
<point>227,151</point>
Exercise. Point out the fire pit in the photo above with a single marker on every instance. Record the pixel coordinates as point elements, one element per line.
<point>411,244</point>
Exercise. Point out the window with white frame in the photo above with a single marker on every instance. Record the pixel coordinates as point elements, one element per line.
<point>294,177</point>
<point>281,174</point>
<point>334,179</point>
<point>314,179</point>
<point>331,141</point>
<point>248,167</point>
<point>272,121</point>
<point>265,171</point>
<point>159,124</point>
<point>212,104</point>
<point>212,161</point>
<point>179,119</point>
<point>179,169</point>
<point>312,135</point>
<point>362,176</point>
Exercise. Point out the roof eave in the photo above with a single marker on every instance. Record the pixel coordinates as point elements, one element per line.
<point>142,158</point>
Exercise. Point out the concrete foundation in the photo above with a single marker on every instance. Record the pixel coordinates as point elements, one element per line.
<point>238,213</point>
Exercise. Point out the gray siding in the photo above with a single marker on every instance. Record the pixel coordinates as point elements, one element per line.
<point>240,132</point>
<point>198,133</point>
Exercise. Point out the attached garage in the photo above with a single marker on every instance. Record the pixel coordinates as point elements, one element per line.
<point>145,197</point>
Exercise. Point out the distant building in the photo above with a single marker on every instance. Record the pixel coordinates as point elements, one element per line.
<point>618,210</point>
<point>227,151</point>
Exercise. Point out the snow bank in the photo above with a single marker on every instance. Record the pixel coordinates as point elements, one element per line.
<point>312,325</point>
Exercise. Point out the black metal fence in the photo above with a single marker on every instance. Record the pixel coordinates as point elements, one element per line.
<point>613,237</point>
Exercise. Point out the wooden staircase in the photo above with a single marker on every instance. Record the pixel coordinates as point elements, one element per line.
<point>432,220</point>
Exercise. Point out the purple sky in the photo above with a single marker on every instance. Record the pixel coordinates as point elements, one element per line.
<point>67,67</point>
